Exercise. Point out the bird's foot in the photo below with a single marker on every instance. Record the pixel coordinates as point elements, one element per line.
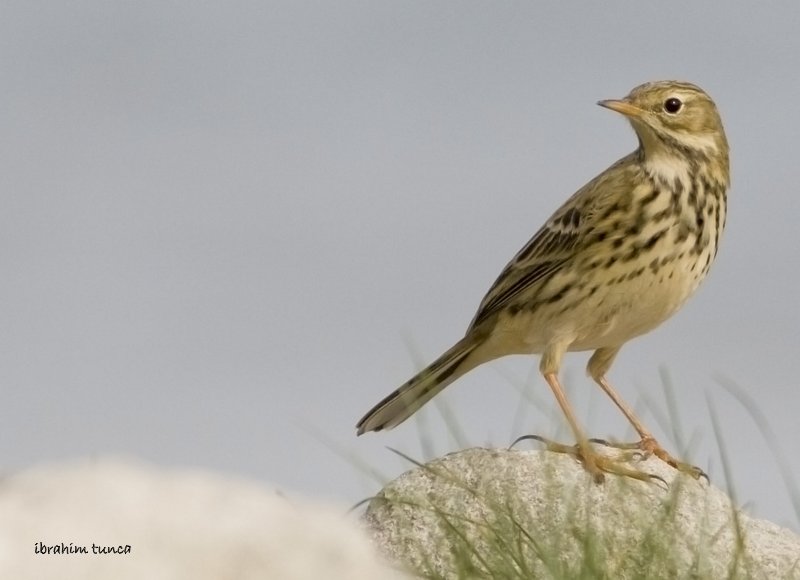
<point>648,446</point>
<point>597,464</point>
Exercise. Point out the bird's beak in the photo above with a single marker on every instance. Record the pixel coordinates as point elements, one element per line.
<point>621,106</point>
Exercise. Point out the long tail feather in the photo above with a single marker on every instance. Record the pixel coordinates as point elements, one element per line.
<point>420,389</point>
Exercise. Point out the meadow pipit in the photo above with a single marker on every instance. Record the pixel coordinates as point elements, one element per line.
<point>616,260</point>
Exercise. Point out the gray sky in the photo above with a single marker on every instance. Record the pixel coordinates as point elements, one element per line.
<point>228,231</point>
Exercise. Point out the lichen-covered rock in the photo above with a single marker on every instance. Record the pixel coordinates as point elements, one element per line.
<point>536,514</point>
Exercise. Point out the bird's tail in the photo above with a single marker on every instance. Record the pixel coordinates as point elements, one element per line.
<point>421,388</point>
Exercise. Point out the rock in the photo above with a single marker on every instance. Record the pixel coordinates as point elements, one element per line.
<point>537,514</point>
<point>170,524</point>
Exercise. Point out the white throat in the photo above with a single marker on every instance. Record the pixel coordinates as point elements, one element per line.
<point>668,168</point>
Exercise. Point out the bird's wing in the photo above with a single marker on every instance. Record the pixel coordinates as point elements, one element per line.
<point>556,243</point>
<point>542,256</point>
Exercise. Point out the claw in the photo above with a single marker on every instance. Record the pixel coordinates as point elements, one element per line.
<point>527,438</point>
<point>686,468</point>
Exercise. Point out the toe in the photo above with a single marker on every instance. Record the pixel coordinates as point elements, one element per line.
<point>681,466</point>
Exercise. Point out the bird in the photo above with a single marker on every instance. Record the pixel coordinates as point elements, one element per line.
<point>617,259</point>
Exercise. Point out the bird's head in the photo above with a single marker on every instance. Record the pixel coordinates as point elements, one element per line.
<point>675,119</point>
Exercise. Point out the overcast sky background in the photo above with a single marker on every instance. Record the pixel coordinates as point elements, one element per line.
<point>227,231</point>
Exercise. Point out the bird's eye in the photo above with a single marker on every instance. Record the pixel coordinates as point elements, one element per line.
<point>672,105</point>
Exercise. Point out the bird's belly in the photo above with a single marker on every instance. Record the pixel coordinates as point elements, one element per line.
<point>625,308</point>
<point>605,307</point>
